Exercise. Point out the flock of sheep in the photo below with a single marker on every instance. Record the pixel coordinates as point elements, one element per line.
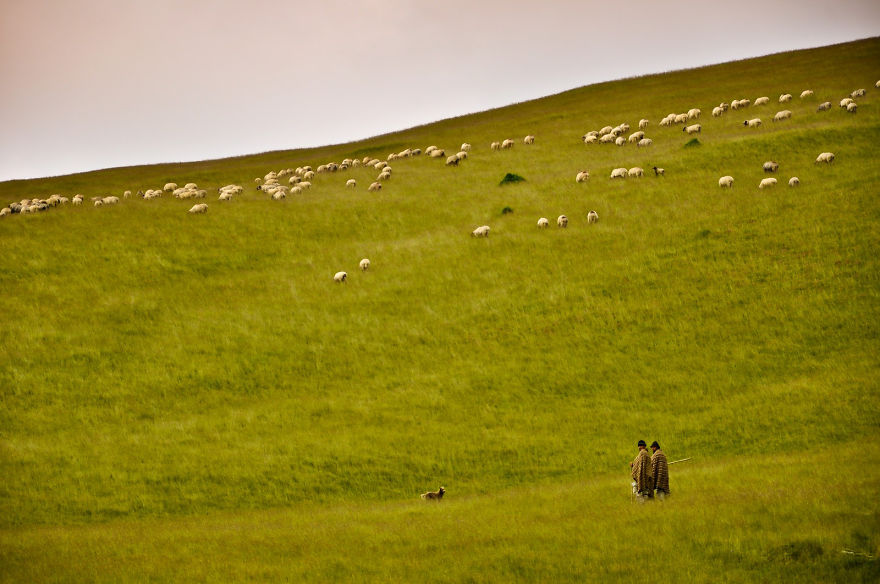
<point>300,179</point>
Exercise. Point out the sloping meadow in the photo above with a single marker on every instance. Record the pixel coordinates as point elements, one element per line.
<point>159,366</point>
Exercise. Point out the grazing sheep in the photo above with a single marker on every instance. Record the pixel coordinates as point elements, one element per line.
<point>225,196</point>
<point>681,119</point>
<point>592,217</point>
<point>725,182</point>
<point>877,85</point>
<point>582,176</point>
<point>296,190</point>
<point>762,101</point>
<point>543,222</point>
<point>385,175</point>
<point>507,144</point>
<point>605,130</point>
<point>857,93</point>
<point>169,187</point>
<point>826,157</point>
<point>126,194</point>
<point>430,149</point>
<point>588,139</point>
<point>753,123</point>
<point>340,277</point>
<point>636,172</point>
<point>607,138</point>
<point>493,146</point>
<point>279,195</point>
<point>767,182</point>
<point>351,183</point>
<point>852,107</point>
<point>643,124</point>
<point>659,171</point>
<point>481,231</point>
<point>806,93</point>
<point>110,200</point>
<point>562,221</point>
<point>693,114</point>
<point>5,211</point>
<point>782,115</point>
<point>824,106</point>
<point>376,186</point>
<point>199,208</point>
<point>695,129</point>
<point>452,160</point>
<point>620,141</point>
<point>845,102</point>
<point>465,147</point>
<point>619,173</point>
<point>717,112</point>
<point>438,153</point>
<point>433,495</point>
<point>771,166</point>
<point>304,185</point>
<point>794,181</point>
<point>529,139</point>
<point>635,137</point>
<point>364,265</point>
<point>644,142</point>
<point>785,98</point>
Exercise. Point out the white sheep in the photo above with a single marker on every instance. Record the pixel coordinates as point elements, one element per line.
<point>827,157</point>
<point>126,194</point>
<point>659,171</point>
<point>681,119</point>
<point>753,123</point>
<point>857,93</point>
<point>279,195</point>
<point>693,114</point>
<point>725,182</point>
<point>111,200</point>
<point>717,112</point>
<point>767,182</point>
<point>877,85</point>
<point>493,146</point>
<point>852,107</point>
<point>763,100</point>
<point>385,175</point>
<point>199,208</point>
<point>824,106</point>
<point>794,181</point>
<point>782,115</point>
<point>304,185</point>
<point>452,160</point>
<point>644,142</point>
<point>226,196</point>
<point>481,231</point>
<point>620,141</point>
<point>374,187</point>
<point>340,277</point>
<point>562,221</point>
<point>590,139</point>
<point>845,102</point>
<point>529,139</point>
<point>507,144</point>
<point>438,153</point>
<point>582,176</point>
<point>364,265</point>
<point>607,138</point>
<point>636,172</point>
<point>592,217</point>
<point>605,130</point>
<point>694,129</point>
<point>619,173</point>
<point>308,175</point>
<point>771,166</point>
<point>351,183</point>
<point>785,98</point>
<point>297,190</point>
<point>635,137</point>
<point>643,123</point>
<point>543,222</point>
<point>806,93</point>
<point>465,147</point>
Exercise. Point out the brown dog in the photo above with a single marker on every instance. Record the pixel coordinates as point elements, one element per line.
<point>433,495</point>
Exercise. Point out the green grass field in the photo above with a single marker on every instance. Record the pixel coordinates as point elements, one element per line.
<point>192,397</point>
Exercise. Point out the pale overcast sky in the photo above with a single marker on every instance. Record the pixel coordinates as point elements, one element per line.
<point>89,84</point>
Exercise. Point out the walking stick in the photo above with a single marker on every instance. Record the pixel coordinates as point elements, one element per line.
<point>677,461</point>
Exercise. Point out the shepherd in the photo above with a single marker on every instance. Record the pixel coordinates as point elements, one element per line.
<point>659,471</point>
<point>641,473</point>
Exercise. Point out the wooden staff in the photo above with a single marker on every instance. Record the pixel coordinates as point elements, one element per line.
<point>682,460</point>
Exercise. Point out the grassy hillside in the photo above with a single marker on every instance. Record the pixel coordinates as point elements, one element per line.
<point>193,397</point>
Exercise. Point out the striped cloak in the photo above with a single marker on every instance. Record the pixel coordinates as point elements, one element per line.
<point>660,471</point>
<point>641,472</point>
